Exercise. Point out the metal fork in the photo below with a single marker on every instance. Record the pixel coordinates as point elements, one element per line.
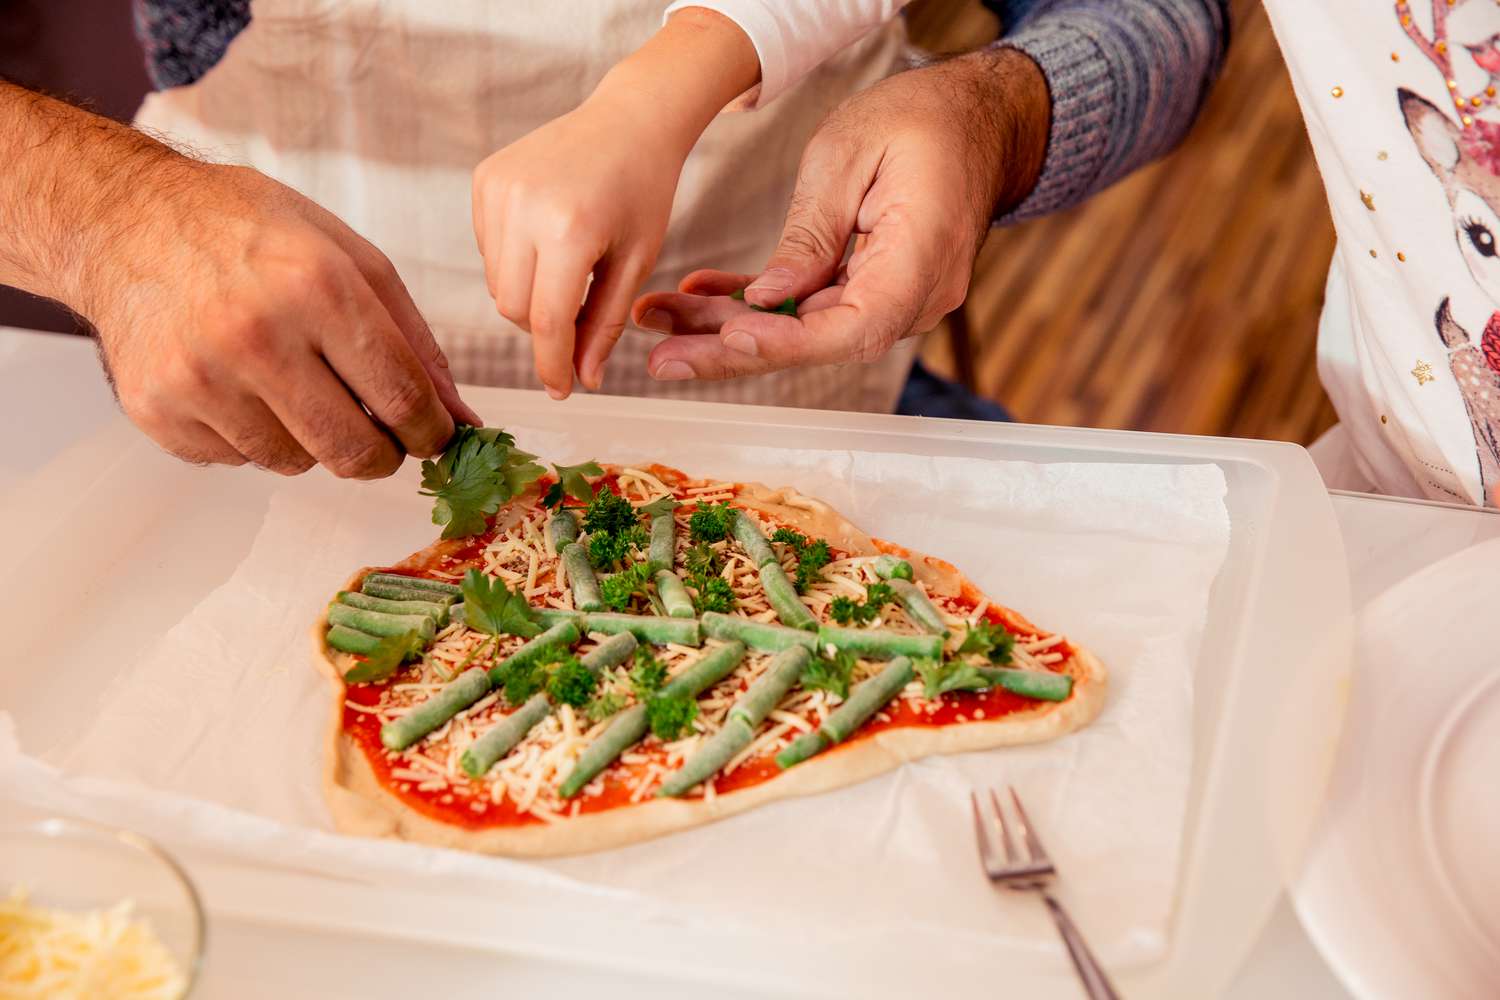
<point>1033,871</point>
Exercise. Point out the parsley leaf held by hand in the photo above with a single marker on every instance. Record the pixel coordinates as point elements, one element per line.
<point>386,658</point>
<point>491,607</point>
<point>787,306</point>
<point>989,640</point>
<point>477,473</point>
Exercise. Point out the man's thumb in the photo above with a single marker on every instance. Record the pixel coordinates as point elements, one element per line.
<point>818,226</point>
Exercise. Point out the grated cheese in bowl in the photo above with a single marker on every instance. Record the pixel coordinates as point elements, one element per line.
<point>101,954</point>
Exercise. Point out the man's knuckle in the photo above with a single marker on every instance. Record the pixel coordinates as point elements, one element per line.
<point>406,402</point>
<point>362,459</point>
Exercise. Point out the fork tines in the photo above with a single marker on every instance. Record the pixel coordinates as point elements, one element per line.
<point>1009,863</point>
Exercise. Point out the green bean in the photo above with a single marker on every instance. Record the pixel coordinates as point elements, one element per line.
<point>502,737</point>
<point>1039,684</point>
<point>562,634</point>
<point>716,751</point>
<point>762,697</point>
<point>889,567</point>
<point>377,623</point>
<point>784,600</point>
<point>663,550</point>
<point>625,730</point>
<point>551,616</point>
<point>748,534</point>
<point>457,695</point>
<point>350,640</point>
<point>706,671</point>
<point>877,644</point>
<point>674,596</point>
<point>918,606</point>
<point>401,592</point>
<point>418,582</point>
<point>867,698</point>
<point>763,636</point>
<point>581,578</point>
<point>647,628</point>
<point>437,612</point>
<point>562,530</point>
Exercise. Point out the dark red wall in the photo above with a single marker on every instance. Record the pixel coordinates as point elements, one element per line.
<point>86,51</point>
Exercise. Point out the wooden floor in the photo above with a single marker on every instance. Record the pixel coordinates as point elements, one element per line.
<point>1183,299</point>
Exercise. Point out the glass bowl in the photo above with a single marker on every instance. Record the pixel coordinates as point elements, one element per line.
<point>64,864</point>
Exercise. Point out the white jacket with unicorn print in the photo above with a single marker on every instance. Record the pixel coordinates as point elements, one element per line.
<point>1400,100</point>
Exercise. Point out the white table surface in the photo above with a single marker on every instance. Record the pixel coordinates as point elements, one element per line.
<point>51,395</point>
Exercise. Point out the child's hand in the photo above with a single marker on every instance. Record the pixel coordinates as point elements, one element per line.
<point>589,192</point>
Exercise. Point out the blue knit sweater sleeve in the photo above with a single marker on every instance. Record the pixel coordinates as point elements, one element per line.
<point>1127,79</point>
<point>183,39</point>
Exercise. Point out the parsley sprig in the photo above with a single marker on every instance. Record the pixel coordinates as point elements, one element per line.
<point>830,673</point>
<point>493,608</point>
<point>811,556</point>
<point>620,590</point>
<point>477,473</point>
<point>711,592</point>
<point>386,658</point>
<point>940,677</point>
<point>990,641</point>
<point>847,611</point>
<point>711,522</point>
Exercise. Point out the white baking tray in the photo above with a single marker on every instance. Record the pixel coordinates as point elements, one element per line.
<point>127,540</point>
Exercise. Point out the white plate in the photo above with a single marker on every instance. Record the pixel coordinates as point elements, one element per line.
<point>1402,888</point>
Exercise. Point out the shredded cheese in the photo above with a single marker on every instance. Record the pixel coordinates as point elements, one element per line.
<point>106,954</point>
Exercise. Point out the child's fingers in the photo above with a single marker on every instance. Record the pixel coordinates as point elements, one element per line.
<point>561,276</point>
<point>603,318</point>
<point>674,312</point>
<point>711,282</point>
<point>512,262</point>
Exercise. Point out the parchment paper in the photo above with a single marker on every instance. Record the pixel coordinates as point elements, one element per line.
<point>215,736</point>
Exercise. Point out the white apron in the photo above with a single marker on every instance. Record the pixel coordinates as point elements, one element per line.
<point>1402,104</point>
<point>379,110</point>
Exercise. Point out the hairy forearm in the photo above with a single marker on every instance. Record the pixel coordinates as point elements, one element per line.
<point>685,74</point>
<point>1002,94</point>
<point>68,193</point>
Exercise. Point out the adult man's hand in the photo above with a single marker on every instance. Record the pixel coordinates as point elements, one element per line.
<point>914,168</point>
<point>238,320</point>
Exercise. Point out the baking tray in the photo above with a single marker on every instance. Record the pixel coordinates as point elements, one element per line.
<point>130,540</point>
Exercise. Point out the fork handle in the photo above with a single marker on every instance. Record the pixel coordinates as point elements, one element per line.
<point>1095,982</point>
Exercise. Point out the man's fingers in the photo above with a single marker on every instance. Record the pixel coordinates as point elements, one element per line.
<point>602,320</point>
<point>821,218</point>
<point>318,410</point>
<point>392,293</point>
<point>253,430</point>
<point>561,277</point>
<point>676,313</point>
<point>380,368</point>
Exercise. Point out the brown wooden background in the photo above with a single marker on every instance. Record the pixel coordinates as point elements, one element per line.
<point>1184,298</point>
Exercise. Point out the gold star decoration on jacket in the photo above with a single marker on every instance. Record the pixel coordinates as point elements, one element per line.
<point>1423,373</point>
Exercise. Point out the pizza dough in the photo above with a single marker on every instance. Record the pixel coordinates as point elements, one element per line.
<point>420,795</point>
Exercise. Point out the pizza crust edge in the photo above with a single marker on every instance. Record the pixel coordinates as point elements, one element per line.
<point>361,806</point>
